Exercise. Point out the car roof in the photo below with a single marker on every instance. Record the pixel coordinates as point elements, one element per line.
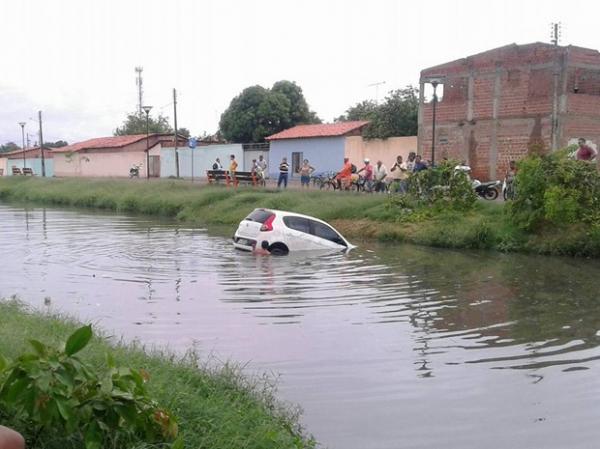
<point>292,214</point>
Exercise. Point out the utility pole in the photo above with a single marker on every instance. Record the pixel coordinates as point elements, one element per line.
<point>176,136</point>
<point>22,124</point>
<point>42,145</point>
<point>555,37</point>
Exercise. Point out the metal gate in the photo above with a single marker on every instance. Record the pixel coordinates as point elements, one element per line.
<point>154,166</point>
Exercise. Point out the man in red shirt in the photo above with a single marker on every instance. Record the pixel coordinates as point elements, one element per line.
<point>585,152</point>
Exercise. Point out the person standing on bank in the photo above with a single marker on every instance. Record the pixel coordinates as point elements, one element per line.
<point>305,171</point>
<point>284,169</point>
<point>585,152</point>
<point>233,165</point>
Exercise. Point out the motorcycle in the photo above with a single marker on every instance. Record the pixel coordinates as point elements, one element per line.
<point>487,190</point>
<point>134,171</point>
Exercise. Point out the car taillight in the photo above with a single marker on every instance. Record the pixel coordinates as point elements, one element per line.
<point>268,224</point>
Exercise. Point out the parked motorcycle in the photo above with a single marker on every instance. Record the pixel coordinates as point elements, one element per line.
<point>134,171</point>
<point>488,190</point>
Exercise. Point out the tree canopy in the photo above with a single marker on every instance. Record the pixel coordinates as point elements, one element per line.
<point>57,144</point>
<point>9,146</point>
<point>258,112</point>
<point>395,116</point>
<point>135,123</point>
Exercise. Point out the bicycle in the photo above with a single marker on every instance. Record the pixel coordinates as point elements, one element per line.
<point>327,182</point>
<point>508,190</point>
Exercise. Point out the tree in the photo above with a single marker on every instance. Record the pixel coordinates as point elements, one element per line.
<point>57,144</point>
<point>184,132</point>
<point>135,123</point>
<point>258,112</point>
<point>396,116</point>
<point>9,146</point>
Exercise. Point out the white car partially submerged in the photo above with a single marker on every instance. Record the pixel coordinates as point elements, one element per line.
<point>281,232</point>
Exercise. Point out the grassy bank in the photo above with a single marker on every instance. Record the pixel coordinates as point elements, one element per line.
<point>215,408</point>
<point>358,217</point>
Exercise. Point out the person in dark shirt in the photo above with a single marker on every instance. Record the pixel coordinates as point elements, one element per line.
<point>284,169</point>
<point>419,164</point>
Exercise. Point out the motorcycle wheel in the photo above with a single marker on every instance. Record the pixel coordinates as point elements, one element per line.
<point>491,194</point>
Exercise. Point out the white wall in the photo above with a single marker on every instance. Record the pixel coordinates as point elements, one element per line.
<point>204,157</point>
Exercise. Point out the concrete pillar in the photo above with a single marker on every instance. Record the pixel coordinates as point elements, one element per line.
<point>495,111</point>
<point>420,124</point>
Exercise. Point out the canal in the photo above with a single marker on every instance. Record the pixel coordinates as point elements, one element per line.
<point>386,347</point>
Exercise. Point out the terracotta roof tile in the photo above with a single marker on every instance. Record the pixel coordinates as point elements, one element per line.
<point>322,130</point>
<point>106,142</point>
<point>27,150</point>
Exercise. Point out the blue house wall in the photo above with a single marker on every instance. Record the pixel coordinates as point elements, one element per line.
<point>324,153</point>
<point>34,163</point>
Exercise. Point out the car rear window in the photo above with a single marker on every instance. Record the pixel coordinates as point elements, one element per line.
<point>259,215</point>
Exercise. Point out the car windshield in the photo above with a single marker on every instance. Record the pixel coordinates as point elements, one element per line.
<point>259,215</point>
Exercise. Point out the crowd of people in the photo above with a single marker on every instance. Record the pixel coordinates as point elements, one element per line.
<point>372,178</point>
<point>377,178</point>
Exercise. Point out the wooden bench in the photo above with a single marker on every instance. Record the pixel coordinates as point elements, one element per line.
<point>235,179</point>
<point>28,171</point>
<point>16,171</point>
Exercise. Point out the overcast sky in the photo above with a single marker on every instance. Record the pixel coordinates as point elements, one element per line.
<point>75,59</point>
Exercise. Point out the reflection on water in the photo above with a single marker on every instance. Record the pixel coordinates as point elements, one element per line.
<point>389,346</point>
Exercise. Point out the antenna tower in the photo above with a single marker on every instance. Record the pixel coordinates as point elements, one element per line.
<point>138,83</point>
<point>555,32</point>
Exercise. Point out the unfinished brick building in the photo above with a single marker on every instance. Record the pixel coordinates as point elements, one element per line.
<point>502,103</point>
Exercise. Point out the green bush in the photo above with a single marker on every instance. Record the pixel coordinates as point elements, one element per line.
<point>55,393</point>
<point>561,205</point>
<point>555,189</point>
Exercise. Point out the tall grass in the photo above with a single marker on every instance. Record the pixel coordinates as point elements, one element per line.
<point>357,216</point>
<point>216,407</point>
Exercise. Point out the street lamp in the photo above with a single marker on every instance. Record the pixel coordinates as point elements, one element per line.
<point>147,111</point>
<point>434,81</point>
<point>22,124</point>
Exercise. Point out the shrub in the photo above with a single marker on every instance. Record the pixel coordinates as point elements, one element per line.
<point>442,186</point>
<point>54,392</point>
<point>555,189</point>
<point>561,205</point>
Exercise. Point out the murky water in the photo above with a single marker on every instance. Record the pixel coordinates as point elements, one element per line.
<point>387,347</point>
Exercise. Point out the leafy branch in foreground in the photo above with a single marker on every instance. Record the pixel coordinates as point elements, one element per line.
<point>53,392</point>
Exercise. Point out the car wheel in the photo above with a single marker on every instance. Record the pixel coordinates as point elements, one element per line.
<point>278,249</point>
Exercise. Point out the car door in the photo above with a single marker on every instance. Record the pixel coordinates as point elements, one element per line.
<point>298,234</point>
<point>326,237</point>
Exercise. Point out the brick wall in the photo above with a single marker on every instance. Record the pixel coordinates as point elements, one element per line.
<point>498,103</point>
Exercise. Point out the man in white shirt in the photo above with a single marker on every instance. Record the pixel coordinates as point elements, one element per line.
<point>400,175</point>
<point>379,174</point>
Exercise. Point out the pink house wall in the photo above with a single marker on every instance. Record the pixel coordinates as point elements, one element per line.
<point>103,162</point>
<point>385,150</point>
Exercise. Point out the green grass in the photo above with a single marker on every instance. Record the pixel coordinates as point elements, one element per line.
<point>216,408</point>
<point>357,216</point>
